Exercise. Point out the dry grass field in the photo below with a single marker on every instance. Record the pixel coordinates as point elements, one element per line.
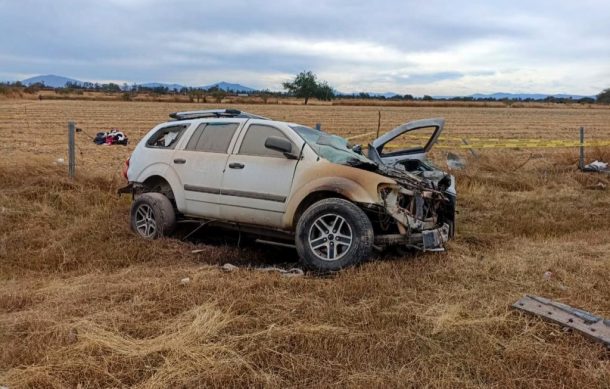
<point>84,303</point>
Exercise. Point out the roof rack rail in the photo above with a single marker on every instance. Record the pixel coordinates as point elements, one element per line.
<point>214,113</point>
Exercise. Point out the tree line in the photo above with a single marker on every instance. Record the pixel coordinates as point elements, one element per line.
<point>305,85</point>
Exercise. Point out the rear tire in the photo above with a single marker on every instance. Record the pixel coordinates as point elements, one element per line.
<point>333,234</point>
<point>152,216</point>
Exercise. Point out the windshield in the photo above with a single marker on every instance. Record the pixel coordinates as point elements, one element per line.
<point>332,147</point>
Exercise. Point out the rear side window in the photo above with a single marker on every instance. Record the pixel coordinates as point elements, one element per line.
<point>254,141</point>
<point>212,137</point>
<point>166,137</point>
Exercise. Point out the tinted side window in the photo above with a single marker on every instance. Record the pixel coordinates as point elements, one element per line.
<point>254,141</point>
<point>166,137</point>
<point>212,137</point>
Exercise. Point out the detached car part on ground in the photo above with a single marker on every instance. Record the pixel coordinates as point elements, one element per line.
<point>293,184</point>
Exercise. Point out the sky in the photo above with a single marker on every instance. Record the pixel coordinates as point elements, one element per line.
<point>404,46</point>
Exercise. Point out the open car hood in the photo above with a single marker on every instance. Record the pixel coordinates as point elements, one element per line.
<point>436,123</point>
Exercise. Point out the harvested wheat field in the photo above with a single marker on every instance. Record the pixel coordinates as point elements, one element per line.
<point>83,302</point>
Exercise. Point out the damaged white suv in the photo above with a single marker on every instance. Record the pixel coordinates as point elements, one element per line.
<point>291,184</point>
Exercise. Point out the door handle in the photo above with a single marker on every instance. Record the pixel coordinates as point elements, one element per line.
<point>180,161</point>
<point>236,165</point>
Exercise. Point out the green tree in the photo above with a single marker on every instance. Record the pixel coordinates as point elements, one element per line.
<point>604,96</point>
<point>305,85</point>
<point>325,92</point>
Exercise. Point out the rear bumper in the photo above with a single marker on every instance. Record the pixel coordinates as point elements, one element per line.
<point>428,240</point>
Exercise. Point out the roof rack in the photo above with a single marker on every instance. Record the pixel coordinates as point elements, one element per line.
<point>214,113</point>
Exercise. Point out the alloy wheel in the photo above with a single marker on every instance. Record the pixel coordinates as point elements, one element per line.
<point>330,237</point>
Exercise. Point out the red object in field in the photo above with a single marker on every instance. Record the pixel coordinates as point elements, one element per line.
<point>125,168</point>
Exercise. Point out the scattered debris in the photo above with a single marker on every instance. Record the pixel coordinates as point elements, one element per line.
<point>185,281</point>
<point>293,272</point>
<point>112,137</point>
<point>550,276</point>
<point>596,166</point>
<point>592,326</point>
<point>454,162</point>
<point>228,267</point>
<point>59,161</point>
<point>599,186</point>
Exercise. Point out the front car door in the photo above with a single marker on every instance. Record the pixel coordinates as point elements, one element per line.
<point>201,163</point>
<point>409,141</point>
<point>257,180</point>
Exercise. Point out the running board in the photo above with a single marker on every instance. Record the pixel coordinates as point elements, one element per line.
<point>586,323</point>
<point>274,243</point>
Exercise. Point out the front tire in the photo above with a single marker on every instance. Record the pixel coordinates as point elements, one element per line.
<point>152,216</point>
<point>333,234</point>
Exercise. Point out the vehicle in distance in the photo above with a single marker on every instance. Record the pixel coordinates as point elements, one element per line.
<point>291,184</point>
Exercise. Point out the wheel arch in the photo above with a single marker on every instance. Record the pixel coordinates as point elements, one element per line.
<point>159,173</point>
<point>311,199</point>
<point>156,181</point>
<point>327,187</point>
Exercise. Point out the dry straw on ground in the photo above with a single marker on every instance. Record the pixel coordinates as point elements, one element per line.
<point>82,301</point>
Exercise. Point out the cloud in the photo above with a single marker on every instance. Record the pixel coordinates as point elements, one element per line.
<point>432,47</point>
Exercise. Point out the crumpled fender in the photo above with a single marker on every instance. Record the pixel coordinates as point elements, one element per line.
<point>357,185</point>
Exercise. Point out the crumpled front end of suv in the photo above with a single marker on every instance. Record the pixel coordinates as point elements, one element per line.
<point>415,212</point>
<point>411,202</point>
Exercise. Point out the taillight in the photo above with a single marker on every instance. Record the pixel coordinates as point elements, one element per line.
<point>125,168</point>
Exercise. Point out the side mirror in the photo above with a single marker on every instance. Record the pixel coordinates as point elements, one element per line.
<point>280,144</point>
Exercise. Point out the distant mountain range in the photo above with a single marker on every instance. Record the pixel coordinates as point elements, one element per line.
<point>225,86</point>
<point>496,96</point>
<point>387,95</point>
<point>60,81</point>
<point>50,80</point>
<point>523,96</point>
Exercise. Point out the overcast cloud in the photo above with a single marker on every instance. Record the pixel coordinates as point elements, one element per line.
<point>417,47</point>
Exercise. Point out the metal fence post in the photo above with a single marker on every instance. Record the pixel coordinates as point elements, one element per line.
<point>71,150</point>
<point>581,158</point>
<point>378,123</point>
<point>474,153</point>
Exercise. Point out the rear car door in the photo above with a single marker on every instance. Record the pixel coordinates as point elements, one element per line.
<point>257,180</point>
<point>201,163</point>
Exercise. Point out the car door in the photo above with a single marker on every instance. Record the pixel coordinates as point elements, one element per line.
<point>257,180</point>
<point>409,141</point>
<point>201,163</point>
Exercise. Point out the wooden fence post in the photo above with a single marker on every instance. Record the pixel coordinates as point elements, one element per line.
<point>581,157</point>
<point>71,150</point>
<point>378,123</point>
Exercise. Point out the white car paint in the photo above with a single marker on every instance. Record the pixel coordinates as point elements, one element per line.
<point>206,186</point>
